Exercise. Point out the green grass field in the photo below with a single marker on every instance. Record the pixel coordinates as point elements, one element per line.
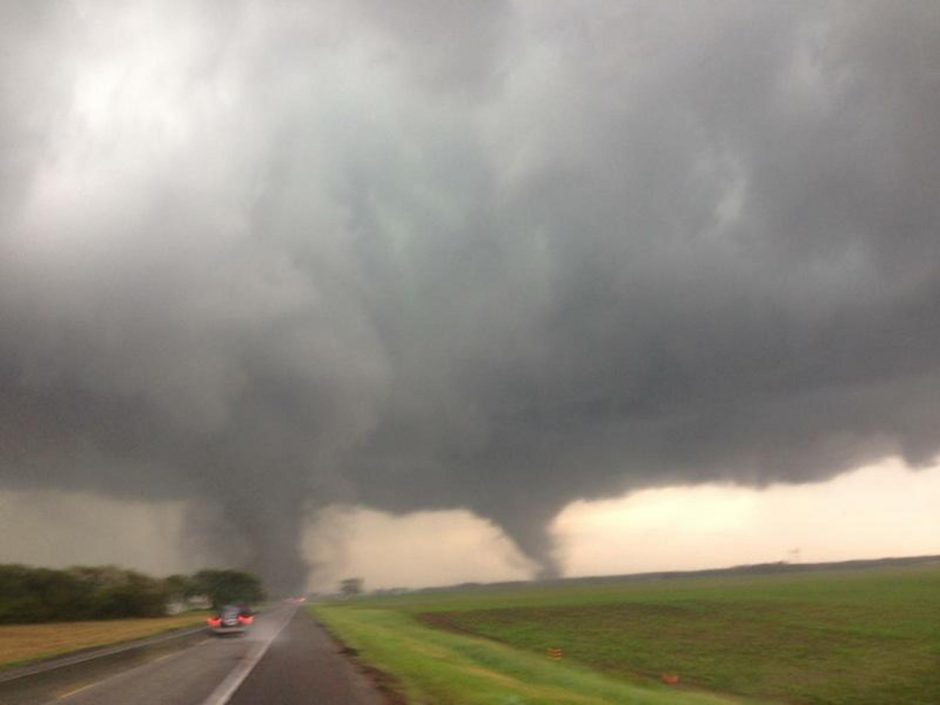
<point>435,667</point>
<point>861,637</point>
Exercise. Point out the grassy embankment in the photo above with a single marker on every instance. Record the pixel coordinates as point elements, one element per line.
<point>440,668</point>
<point>21,643</point>
<point>861,637</point>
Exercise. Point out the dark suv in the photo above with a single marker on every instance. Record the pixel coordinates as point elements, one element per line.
<point>231,619</point>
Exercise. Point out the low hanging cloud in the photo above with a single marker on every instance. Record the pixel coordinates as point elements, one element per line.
<point>494,256</point>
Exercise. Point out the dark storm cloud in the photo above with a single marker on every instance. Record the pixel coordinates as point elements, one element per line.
<point>487,255</point>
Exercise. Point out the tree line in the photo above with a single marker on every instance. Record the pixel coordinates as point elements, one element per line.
<point>30,595</point>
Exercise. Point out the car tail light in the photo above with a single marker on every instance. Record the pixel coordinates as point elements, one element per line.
<point>245,619</point>
<point>215,621</point>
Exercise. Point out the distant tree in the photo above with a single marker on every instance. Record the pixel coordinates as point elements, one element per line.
<point>224,587</point>
<point>41,595</point>
<point>101,592</point>
<point>350,587</point>
<point>30,594</point>
<point>119,593</point>
<point>179,587</point>
<point>137,595</point>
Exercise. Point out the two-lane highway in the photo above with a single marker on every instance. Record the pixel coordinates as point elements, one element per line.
<point>287,659</point>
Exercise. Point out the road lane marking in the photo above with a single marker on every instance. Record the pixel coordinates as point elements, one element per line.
<point>76,691</point>
<point>123,674</point>
<point>226,689</point>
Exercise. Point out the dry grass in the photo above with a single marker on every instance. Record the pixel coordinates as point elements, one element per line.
<point>26,642</point>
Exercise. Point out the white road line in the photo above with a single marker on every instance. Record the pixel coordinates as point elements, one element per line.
<point>116,676</point>
<point>76,691</point>
<point>226,689</point>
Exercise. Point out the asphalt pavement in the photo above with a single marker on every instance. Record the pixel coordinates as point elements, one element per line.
<point>286,659</point>
<point>304,666</point>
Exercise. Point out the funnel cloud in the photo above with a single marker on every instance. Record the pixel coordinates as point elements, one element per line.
<point>492,256</point>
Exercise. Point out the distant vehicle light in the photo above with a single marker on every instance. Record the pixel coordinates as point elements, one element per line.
<point>215,621</point>
<point>246,619</point>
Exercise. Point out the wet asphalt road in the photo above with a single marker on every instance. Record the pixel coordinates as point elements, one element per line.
<point>301,666</point>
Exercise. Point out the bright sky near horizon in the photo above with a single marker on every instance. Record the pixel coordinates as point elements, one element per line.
<point>877,511</point>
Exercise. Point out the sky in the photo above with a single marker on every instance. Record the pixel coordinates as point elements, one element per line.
<point>305,283</point>
<point>882,510</point>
